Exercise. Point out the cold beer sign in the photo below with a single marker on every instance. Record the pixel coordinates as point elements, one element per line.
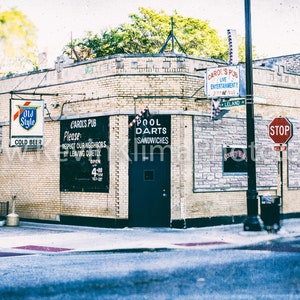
<point>26,123</point>
<point>280,130</point>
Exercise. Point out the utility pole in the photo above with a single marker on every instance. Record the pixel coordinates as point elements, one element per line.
<point>252,222</point>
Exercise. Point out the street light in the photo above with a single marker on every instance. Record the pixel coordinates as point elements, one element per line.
<point>252,222</point>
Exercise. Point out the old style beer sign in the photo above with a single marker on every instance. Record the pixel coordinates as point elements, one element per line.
<point>26,123</point>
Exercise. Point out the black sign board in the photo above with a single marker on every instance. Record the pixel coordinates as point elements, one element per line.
<point>150,133</point>
<point>84,155</point>
<point>234,160</point>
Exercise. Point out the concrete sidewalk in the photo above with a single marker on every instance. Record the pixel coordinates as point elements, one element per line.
<point>42,238</point>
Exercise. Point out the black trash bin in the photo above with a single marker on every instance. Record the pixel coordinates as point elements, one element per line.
<point>270,212</point>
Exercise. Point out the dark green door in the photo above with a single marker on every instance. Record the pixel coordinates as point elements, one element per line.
<point>149,190</point>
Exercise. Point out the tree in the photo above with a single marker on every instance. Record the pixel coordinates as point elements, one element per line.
<point>147,33</point>
<point>17,43</point>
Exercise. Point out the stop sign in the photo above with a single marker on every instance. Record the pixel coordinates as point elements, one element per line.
<point>280,130</point>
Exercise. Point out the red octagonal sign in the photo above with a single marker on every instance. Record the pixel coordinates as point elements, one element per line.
<point>280,130</point>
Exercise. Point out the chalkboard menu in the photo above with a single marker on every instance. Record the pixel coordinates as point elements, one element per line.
<point>84,157</point>
<point>234,160</point>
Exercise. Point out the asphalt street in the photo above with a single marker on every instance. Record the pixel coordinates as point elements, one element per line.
<point>54,261</point>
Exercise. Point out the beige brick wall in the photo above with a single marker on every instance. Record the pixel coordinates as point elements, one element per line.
<point>32,176</point>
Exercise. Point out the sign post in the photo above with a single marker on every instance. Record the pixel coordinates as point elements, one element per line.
<point>280,132</point>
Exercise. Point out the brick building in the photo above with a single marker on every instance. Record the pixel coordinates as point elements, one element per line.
<point>172,166</point>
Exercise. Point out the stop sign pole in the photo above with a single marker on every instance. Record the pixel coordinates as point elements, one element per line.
<point>280,131</point>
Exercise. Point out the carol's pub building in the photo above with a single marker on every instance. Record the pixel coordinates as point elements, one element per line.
<point>132,140</point>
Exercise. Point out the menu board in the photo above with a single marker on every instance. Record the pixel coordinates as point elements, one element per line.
<point>84,155</point>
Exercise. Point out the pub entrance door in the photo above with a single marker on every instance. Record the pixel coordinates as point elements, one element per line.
<point>149,190</point>
<point>149,172</point>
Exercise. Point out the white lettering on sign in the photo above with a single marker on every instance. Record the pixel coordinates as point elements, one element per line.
<point>151,126</point>
<point>84,123</point>
<point>145,122</point>
<point>152,131</point>
<point>279,130</point>
<point>71,136</point>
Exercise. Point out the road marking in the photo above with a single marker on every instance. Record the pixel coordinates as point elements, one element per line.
<point>200,244</point>
<point>42,248</point>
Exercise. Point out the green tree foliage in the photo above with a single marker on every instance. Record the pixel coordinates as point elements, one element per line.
<point>17,43</point>
<point>147,32</point>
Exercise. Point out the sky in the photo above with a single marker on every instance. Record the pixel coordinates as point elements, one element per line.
<point>275,23</point>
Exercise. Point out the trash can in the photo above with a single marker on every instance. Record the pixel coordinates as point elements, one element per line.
<point>270,212</point>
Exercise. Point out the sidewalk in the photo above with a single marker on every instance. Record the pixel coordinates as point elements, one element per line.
<point>42,238</point>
